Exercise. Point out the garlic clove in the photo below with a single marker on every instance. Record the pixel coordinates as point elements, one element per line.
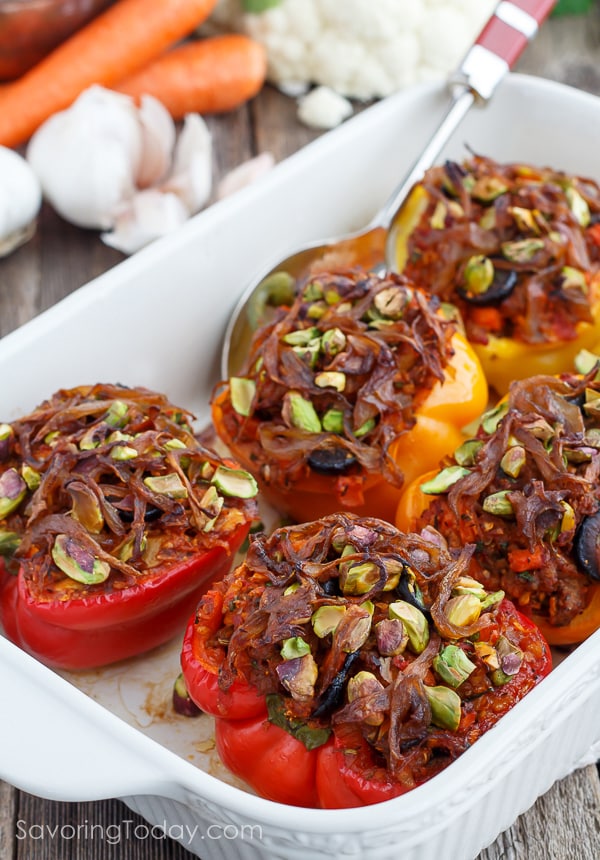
<point>87,157</point>
<point>191,175</point>
<point>20,201</point>
<point>244,174</point>
<point>146,216</point>
<point>158,141</point>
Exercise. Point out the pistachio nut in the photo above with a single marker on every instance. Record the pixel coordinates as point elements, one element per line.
<point>415,624</point>
<point>77,563</point>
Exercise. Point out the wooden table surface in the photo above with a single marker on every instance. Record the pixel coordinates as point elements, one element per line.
<point>565,823</point>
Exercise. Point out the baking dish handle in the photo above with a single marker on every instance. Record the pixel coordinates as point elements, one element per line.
<point>57,742</point>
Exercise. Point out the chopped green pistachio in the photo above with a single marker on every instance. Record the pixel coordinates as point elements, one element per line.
<point>294,647</point>
<point>333,421</point>
<point>578,206</point>
<point>51,438</point>
<point>524,218</point>
<point>463,610</point>
<point>498,504</point>
<point>453,666</point>
<point>291,589</point>
<point>488,188</point>
<point>301,336</point>
<point>442,482</point>
<point>9,543</point>
<point>513,461</point>
<point>510,660</point>
<point>316,310</point>
<point>592,402</point>
<point>445,707</point>
<point>326,618</point>
<point>488,219</point>
<point>573,279</point>
<point>299,675</point>
<point>540,428</point>
<point>235,482</point>
<point>241,392</point>
<point>117,414</point>
<point>438,217</point>
<point>354,635</point>
<point>6,432</point>
<point>365,428</point>
<point>302,413</point>
<point>333,341</point>
<point>391,637</point>
<point>331,379</point>
<point>492,599</point>
<point>359,578</point>
<point>394,570</point>
<point>523,250</point>
<point>415,624</point>
<point>91,438</point>
<point>309,353</point>
<point>466,454</point>
<point>479,274</point>
<point>391,302</point>
<point>12,492</point>
<point>313,291</point>
<point>492,418</point>
<point>332,297</point>
<point>467,585</point>
<point>366,684</point>
<point>123,452</point>
<point>175,444</point>
<point>169,485</point>
<point>77,563</point>
<point>585,361</point>
<point>31,477</point>
<point>211,504</point>
<point>118,436</point>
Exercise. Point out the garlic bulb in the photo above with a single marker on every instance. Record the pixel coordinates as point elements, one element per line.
<point>20,201</point>
<point>107,164</point>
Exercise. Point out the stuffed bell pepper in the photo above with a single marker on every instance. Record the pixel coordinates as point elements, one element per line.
<point>347,394</point>
<point>517,249</point>
<point>346,662</point>
<point>525,491</point>
<point>113,520</point>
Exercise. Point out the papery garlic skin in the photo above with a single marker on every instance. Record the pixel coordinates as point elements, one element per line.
<point>147,216</point>
<point>90,157</point>
<point>20,201</point>
<point>245,174</point>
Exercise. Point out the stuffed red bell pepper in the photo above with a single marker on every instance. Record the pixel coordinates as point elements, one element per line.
<point>525,491</point>
<point>346,662</point>
<point>113,520</point>
<point>348,393</point>
<point>517,249</point>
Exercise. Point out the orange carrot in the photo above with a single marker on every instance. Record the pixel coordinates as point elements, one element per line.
<point>121,40</point>
<point>204,76</point>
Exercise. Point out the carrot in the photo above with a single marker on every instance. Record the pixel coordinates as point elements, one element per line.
<point>205,76</point>
<point>125,37</point>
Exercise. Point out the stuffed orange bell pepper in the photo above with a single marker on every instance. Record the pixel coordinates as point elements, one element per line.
<point>347,663</point>
<point>525,491</point>
<point>114,519</point>
<point>517,250</point>
<point>357,387</point>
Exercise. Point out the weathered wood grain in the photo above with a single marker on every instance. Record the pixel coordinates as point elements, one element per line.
<point>562,825</point>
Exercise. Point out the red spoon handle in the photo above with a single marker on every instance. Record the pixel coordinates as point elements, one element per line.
<point>502,41</point>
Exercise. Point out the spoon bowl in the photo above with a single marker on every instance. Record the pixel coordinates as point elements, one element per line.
<point>499,45</point>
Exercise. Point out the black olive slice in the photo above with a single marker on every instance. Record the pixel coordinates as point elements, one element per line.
<point>152,513</point>
<point>331,698</point>
<point>587,546</point>
<point>332,460</point>
<point>505,280</point>
<point>408,590</point>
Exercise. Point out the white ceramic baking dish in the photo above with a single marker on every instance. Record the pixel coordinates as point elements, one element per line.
<point>157,320</point>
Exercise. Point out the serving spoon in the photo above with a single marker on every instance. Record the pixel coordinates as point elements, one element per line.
<point>501,42</point>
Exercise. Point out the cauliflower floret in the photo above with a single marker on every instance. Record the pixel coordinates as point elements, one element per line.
<point>360,48</point>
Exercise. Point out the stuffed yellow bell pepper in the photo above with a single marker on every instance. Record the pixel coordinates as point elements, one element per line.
<point>517,250</point>
<point>525,492</point>
<point>352,391</point>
